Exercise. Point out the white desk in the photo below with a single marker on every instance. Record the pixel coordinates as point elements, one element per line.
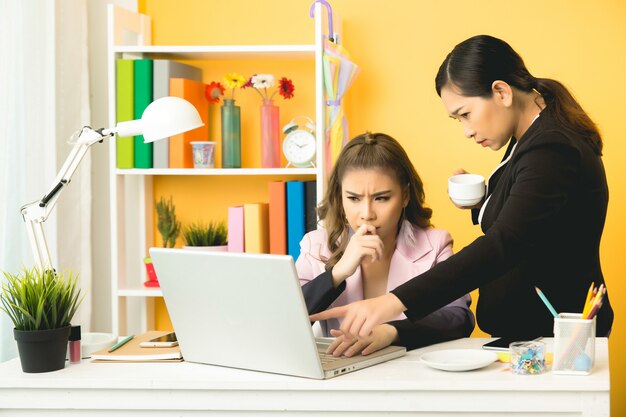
<point>403,386</point>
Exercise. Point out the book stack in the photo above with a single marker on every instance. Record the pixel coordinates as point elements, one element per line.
<point>276,227</point>
<point>138,83</point>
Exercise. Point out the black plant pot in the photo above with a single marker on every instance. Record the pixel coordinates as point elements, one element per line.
<point>42,350</point>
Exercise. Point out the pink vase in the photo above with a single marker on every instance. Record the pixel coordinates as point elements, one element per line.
<point>270,135</point>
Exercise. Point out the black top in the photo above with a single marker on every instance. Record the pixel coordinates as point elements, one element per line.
<point>320,293</point>
<point>542,227</point>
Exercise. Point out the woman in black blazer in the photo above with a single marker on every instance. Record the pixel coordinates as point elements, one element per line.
<point>544,210</point>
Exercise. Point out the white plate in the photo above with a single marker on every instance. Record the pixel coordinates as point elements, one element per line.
<point>459,359</point>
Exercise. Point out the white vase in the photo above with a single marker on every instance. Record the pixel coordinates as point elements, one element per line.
<point>223,248</point>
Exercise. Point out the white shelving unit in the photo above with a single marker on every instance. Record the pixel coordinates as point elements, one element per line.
<point>131,196</point>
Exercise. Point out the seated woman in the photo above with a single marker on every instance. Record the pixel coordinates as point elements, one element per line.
<point>377,236</point>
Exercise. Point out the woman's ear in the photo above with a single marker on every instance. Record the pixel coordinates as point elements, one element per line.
<point>502,93</point>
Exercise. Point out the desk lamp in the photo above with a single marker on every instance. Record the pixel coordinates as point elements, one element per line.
<point>164,117</point>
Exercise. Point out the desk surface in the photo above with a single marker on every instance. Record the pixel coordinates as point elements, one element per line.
<point>402,385</point>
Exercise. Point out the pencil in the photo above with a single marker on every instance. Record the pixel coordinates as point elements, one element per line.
<point>593,311</point>
<point>546,302</point>
<point>120,343</point>
<point>588,298</point>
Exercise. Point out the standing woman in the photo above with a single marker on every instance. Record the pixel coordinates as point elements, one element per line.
<point>544,210</point>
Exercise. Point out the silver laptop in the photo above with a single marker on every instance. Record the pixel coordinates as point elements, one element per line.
<point>247,311</point>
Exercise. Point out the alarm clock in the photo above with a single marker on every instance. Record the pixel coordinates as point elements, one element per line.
<point>299,146</point>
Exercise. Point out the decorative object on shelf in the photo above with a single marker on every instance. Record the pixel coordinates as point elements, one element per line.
<point>231,119</point>
<point>270,140</point>
<point>214,91</point>
<point>200,236</point>
<point>270,115</point>
<point>299,145</point>
<point>203,154</point>
<point>152,281</point>
<point>167,224</point>
<point>164,117</point>
<point>338,72</point>
<point>41,304</point>
<point>231,134</point>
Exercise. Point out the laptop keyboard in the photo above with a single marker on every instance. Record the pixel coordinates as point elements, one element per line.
<point>326,358</point>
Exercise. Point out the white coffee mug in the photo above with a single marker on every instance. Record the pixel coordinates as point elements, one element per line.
<point>466,190</point>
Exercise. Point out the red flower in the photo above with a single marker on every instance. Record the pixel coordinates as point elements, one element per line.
<point>248,83</point>
<point>213,92</point>
<point>286,88</point>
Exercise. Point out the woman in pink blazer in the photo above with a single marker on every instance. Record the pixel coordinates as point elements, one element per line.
<point>377,236</point>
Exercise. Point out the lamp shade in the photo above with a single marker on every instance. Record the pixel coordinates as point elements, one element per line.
<point>169,116</point>
<point>164,117</point>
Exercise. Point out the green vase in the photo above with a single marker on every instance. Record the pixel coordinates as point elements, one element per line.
<point>231,135</point>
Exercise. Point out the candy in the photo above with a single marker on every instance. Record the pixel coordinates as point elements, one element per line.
<point>527,358</point>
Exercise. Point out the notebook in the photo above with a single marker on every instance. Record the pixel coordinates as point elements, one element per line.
<point>247,311</point>
<point>133,352</point>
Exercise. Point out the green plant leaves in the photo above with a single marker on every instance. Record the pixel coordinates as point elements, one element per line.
<point>40,300</point>
<point>200,234</point>
<point>167,224</point>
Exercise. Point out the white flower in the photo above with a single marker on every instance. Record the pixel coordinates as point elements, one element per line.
<point>262,81</point>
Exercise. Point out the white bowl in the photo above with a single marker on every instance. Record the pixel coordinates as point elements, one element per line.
<point>92,342</point>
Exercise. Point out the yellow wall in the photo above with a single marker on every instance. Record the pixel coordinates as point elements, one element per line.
<point>399,45</point>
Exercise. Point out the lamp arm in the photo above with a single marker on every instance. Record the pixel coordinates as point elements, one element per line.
<point>37,212</point>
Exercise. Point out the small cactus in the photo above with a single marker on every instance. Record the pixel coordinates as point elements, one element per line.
<point>167,224</point>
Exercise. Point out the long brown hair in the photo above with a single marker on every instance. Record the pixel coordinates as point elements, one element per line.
<point>370,151</point>
<point>474,64</point>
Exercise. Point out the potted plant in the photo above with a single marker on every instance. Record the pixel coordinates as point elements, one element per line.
<point>41,304</point>
<point>167,224</point>
<point>169,227</point>
<point>202,236</point>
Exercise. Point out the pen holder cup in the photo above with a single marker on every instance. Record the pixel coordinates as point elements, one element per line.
<point>574,344</point>
<point>528,358</point>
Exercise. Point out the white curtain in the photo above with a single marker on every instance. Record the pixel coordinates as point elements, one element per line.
<point>44,98</point>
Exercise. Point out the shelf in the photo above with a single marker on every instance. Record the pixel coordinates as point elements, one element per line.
<point>139,292</point>
<point>223,52</point>
<point>219,171</point>
<point>132,222</point>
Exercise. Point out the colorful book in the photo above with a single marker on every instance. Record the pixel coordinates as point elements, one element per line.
<point>278,218</point>
<point>143,97</point>
<point>236,242</point>
<point>180,145</point>
<point>124,110</point>
<point>295,217</point>
<point>164,69</point>
<point>310,204</point>
<point>256,227</point>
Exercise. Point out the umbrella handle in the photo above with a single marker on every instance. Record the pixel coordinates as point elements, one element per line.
<point>331,34</point>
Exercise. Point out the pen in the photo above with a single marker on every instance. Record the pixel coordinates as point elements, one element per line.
<point>120,343</point>
<point>546,302</point>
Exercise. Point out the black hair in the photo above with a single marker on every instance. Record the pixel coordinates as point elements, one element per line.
<point>474,64</point>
